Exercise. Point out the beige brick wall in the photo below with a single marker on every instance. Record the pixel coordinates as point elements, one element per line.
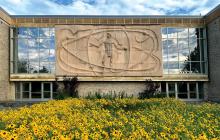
<point>4,62</point>
<point>213,30</point>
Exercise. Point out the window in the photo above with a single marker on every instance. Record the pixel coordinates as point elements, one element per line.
<point>34,90</point>
<point>47,90</point>
<point>34,50</point>
<point>171,90</point>
<point>184,50</point>
<point>192,90</point>
<point>183,90</point>
<point>25,92</point>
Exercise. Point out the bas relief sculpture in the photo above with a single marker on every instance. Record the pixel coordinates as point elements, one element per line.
<point>86,50</point>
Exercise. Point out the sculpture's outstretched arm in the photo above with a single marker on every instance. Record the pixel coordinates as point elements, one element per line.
<point>93,45</point>
<point>118,45</point>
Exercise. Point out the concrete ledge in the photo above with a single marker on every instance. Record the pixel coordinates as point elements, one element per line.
<point>32,77</point>
<point>50,77</point>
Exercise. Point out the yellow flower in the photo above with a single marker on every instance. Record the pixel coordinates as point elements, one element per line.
<point>162,134</point>
<point>202,136</point>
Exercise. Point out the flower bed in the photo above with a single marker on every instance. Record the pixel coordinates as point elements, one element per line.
<point>112,119</point>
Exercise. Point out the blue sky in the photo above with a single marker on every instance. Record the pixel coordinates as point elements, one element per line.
<point>108,7</point>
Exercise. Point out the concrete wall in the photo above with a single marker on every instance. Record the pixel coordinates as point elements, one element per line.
<point>4,62</point>
<point>130,88</point>
<point>213,30</point>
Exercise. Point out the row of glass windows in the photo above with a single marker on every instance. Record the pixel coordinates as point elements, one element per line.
<point>47,90</point>
<point>34,50</point>
<point>184,50</point>
<point>34,90</point>
<point>182,90</point>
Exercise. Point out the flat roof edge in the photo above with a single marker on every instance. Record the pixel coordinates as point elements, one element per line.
<point>213,10</point>
<point>107,16</point>
<point>4,11</point>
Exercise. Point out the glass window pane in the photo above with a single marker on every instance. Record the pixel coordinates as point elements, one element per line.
<point>165,50</point>
<point>192,87</point>
<point>52,32</point>
<point>183,49</point>
<point>46,94</point>
<point>173,67</point>
<point>183,33</point>
<point>173,50</point>
<point>163,87</point>
<point>182,87</point>
<point>36,90</point>
<point>22,50</point>
<point>33,54</point>
<point>171,90</point>
<point>195,67</point>
<point>52,55</point>
<point>46,86</point>
<point>192,95</point>
<point>32,43</point>
<point>44,43</point>
<point>44,67</point>
<point>25,94</point>
<point>52,43</point>
<point>25,87</point>
<point>52,67</point>
<point>194,51</point>
<point>182,90</point>
<point>165,67</point>
<point>35,95</point>
<point>193,33</point>
<point>171,87</point>
<point>184,67</point>
<point>17,91</point>
<point>22,32</point>
<point>22,66</point>
<point>164,32</point>
<point>44,32</point>
<point>33,67</point>
<point>172,32</point>
<point>27,32</point>
<point>35,86</point>
<point>44,55</point>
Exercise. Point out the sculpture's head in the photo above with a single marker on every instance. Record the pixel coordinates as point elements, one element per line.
<point>109,35</point>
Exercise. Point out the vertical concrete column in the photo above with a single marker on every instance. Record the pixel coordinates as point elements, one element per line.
<point>213,30</point>
<point>4,62</point>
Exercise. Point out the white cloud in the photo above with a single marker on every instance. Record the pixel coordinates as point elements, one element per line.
<point>109,7</point>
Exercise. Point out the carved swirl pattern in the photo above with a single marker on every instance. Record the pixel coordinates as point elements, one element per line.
<point>108,51</point>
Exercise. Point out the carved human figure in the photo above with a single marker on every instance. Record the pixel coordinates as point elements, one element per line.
<point>108,45</point>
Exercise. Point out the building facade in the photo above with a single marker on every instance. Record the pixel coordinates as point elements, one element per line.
<point>110,54</point>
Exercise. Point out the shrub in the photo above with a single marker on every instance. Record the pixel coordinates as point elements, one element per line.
<point>111,95</point>
<point>69,88</point>
<point>151,90</point>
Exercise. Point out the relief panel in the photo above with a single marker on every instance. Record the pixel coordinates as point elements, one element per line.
<point>86,50</point>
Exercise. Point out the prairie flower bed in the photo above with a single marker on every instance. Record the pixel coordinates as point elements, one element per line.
<point>112,119</point>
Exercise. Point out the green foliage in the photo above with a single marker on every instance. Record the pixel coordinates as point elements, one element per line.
<point>111,95</point>
<point>151,90</point>
<point>69,89</point>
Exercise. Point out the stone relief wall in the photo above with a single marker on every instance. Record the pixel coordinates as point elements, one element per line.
<point>86,50</point>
